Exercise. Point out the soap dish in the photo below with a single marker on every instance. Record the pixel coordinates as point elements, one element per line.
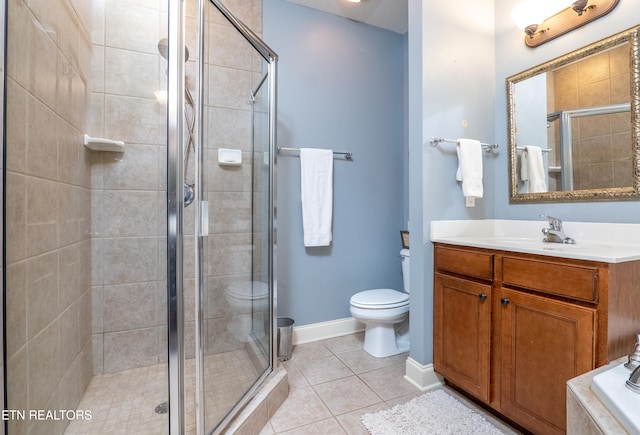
<point>100,144</point>
<point>229,157</point>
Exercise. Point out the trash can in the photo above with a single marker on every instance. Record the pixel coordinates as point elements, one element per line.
<point>285,338</point>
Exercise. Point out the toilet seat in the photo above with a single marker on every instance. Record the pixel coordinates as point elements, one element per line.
<point>248,290</point>
<point>380,299</point>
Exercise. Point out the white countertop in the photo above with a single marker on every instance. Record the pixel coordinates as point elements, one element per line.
<point>608,242</point>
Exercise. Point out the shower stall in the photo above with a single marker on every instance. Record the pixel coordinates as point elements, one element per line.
<point>138,284</point>
<point>575,167</point>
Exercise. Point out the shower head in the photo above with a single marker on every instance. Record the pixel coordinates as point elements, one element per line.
<point>163,48</point>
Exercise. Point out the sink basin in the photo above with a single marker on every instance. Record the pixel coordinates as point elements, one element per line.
<point>617,398</point>
<point>529,243</point>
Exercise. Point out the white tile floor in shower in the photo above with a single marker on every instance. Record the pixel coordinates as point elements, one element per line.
<point>124,402</point>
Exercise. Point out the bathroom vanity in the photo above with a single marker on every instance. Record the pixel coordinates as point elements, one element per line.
<point>512,324</point>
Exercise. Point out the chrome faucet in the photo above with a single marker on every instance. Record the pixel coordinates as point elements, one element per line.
<point>633,383</point>
<point>555,233</point>
<point>634,357</point>
<point>634,365</point>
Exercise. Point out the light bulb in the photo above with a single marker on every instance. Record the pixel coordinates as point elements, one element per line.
<point>530,12</point>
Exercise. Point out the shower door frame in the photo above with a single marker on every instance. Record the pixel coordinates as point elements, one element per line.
<point>175,206</point>
<point>4,428</point>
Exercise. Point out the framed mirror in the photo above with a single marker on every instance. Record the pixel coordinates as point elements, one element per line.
<point>574,125</point>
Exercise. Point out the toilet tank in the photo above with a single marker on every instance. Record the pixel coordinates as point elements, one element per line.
<point>405,269</point>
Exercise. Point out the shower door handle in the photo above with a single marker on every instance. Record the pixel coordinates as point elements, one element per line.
<point>204,218</point>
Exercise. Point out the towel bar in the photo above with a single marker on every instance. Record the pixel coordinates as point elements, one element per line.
<point>485,146</point>
<point>544,150</point>
<point>347,155</point>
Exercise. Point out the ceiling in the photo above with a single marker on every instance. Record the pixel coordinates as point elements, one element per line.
<point>387,14</point>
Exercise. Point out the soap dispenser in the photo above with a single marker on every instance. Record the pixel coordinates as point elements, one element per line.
<point>634,357</point>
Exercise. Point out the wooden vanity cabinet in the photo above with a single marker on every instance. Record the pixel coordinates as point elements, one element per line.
<point>462,315</point>
<point>543,344</point>
<point>544,320</point>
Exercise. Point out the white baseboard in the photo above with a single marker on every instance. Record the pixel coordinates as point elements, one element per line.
<point>423,377</point>
<point>323,330</point>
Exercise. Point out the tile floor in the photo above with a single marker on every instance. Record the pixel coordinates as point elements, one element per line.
<point>333,382</point>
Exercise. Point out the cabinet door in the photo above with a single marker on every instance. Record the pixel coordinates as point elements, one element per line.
<point>462,328</point>
<point>544,343</point>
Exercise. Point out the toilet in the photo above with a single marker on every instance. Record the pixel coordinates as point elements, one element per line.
<point>248,300</point>
<point>385,313</point>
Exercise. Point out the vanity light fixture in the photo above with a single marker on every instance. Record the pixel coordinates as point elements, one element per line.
<point>530,14</point>
<point>544,20</point>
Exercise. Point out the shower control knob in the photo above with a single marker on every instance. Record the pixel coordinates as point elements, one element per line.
<point>189,193</point>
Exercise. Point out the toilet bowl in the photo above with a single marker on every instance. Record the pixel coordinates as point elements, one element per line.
<point>385,313</point>
<point>248,300</point>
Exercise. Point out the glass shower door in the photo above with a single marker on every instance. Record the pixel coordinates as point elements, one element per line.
<point>236,253</point>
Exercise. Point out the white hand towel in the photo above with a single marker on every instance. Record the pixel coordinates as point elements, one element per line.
<point>524,165</point>
<point>316,193</point>
<point>470,167</point>
<point>535,169</point>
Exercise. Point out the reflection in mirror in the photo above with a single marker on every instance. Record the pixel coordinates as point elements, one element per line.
<point>573,133</point>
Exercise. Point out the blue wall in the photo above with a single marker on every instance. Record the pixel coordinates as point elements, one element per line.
<point>451,95</point>
<point>341,85</point>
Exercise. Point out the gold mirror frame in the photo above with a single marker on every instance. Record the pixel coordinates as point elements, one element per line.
<point>631,37</point>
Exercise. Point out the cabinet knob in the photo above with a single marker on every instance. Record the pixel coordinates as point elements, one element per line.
<point>482,296</point>
<point>504,301</point>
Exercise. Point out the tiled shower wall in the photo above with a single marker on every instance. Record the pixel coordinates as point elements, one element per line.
<point>602,146</point>
<point>48,299</point>
<point>129,191</point>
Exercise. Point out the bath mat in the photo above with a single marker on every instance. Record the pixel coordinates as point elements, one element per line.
<point>433,413</point>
